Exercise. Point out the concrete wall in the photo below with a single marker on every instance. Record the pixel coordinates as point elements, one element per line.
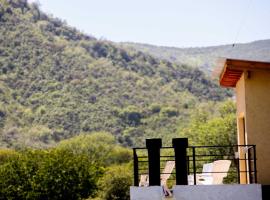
<point>253,108</point>
<point>241,128</point>
<point>240,96</point>
<point>220,192</point>
<point>257,100</point>
<point>200,192</point>
<point>146,193</point>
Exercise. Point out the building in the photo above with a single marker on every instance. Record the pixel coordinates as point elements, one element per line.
<point>251,80</point>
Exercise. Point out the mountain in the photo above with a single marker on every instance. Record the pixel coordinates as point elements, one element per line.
<point>205,58</point>
<point>56,83</point>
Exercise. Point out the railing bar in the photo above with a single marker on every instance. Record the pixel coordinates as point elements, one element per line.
<point>214,155</point>
<point>140,148</point>
<point>194,165</point>
<point>143,174</point>
<point>247,171</point>
<point>227,172</point>
<point>221,146</point>
<point>167,156</point>
<point>135,168</point>
<point>219,159</point>
<point>193,158</point>
<point>160,173</point>
<point>255,163</point>
<point>249,165</point>
<point>161,157</point>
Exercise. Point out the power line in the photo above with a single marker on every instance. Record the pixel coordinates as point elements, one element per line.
<point>242,23</point>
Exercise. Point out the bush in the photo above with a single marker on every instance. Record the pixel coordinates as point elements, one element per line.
<point>115,183</point>
<point>48,174</point>
<point>155,108</point>
<point>169,111</point>
<point>131,116</point>
<point>2,118</point>
<point>6,154</point>
<point>100,147</point>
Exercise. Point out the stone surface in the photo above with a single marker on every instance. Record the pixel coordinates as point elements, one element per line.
<point>146,193</point>
<point>220,192</point>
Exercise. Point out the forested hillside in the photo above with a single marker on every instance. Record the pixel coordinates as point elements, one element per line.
<point>205,58</point>
<point>56,83</point>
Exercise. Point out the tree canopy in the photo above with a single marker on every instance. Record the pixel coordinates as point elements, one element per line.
<point>56,82</point>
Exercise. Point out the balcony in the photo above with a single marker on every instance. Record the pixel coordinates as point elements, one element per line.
<point>192,166</point>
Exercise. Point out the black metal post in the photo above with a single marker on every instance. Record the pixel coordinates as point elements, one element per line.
<point>238,169</point>
<point>188,170</point>
<point>249,166</point>
<point>135,168</point>
<point>194,164</point>
<point>255,163</point>
<point>180,149</point>
<point>153,146</point>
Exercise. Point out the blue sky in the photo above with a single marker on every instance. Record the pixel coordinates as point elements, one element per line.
<point>180,23</point>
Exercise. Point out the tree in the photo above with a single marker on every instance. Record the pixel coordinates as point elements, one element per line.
<point>100,147</point>
<point>48,174</point>
<point>131,116</point>
<point>115,183</point>
<point>213,129</point>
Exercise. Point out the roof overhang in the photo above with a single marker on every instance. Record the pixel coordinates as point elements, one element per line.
<point>233,69</point>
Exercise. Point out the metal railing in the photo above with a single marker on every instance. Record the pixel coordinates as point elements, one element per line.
<point>242,157</point>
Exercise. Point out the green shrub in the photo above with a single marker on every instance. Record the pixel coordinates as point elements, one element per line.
<point>100,147</point>
<point>131,116</point>
<point>115,183</point>
<point>6,154</point>
<point>48,174</point>
<point>169,111</point>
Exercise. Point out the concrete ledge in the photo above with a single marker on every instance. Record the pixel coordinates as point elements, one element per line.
<point>146,193</point>
<point>220,192</point>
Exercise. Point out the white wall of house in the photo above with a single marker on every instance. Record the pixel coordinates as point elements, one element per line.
<point>146,193</point>
<point>220,192</point>
<point>200,192</point>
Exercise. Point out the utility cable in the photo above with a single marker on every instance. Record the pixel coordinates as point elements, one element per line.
<point>242,23</point>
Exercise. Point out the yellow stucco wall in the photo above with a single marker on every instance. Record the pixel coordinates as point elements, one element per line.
<point>240,96</point>
<point>253,103</point>
<point>241,112</point>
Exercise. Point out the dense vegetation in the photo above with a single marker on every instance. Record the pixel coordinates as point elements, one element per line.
<point>65,172</point>
<point>206,58</point>
<point>56,83</point>
<point>212,124</point>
